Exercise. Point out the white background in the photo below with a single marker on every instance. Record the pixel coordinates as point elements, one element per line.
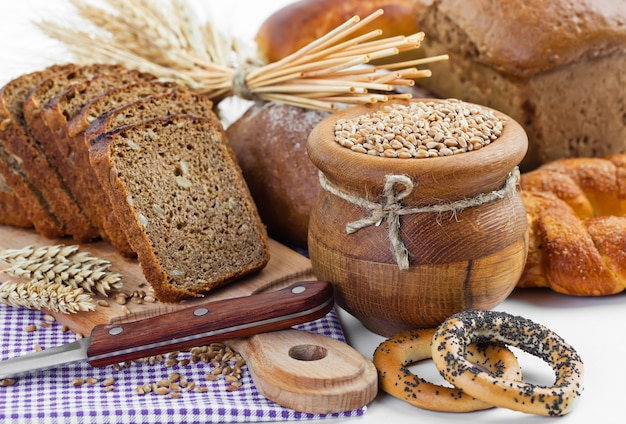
<point>593,326</point>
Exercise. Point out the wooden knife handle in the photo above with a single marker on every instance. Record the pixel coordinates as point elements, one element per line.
<point>210,322</point>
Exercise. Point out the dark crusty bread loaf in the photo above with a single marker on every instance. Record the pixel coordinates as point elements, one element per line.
<point>556,67</point>
<point>75,171</point>
<point>25,162</point>
<point>180,196</point>
<point>270,143</point>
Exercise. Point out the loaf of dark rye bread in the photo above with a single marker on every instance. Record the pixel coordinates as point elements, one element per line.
<point>183,202</point>
<point>75,171</point>
<point>77,222</point>
<point>25,163</point>
<point>557,67</point>
<point>269,140</point>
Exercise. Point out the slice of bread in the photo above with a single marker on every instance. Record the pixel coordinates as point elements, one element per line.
<point>159,106</point>
<point>74,170</point>
<point>23,160</point>
<point>78,149</point>
<point>182,200</point>
<point>65,205</point>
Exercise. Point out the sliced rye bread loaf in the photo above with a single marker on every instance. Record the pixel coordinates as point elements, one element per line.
<point>115,98</point>
<point>175,102</point>
<point>79,179</point>
<point>66,206</point>
<point>11,210</point>
<point>23,159</point>
<point>78,149</point>
<point>183,202</point>
<point>159,106</point>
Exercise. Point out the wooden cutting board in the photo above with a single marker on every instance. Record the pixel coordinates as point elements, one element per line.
<point>286,366</point>
<point>285,267</point>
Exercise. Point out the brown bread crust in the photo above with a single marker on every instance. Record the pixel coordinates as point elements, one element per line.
<point>114,98</point>
<point>19,157</point>
<point>11,210</point>
<point>556,67</point>
<point>156,106</point>
<point>270,143</point>
<point>522,38</point>
<point>74,168</point>
<point>302,22</point>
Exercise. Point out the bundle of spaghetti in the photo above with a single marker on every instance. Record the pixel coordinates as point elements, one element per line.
<point>172,43</point>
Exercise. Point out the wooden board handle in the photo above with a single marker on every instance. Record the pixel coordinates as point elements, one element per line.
<point>308,372</point>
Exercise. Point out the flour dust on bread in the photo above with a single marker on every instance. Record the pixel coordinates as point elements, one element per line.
<point>179,193</point>
<point>269,141</point>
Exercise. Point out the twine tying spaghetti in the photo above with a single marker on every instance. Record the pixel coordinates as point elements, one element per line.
<point>240,84</point>
<point>391,209</point>
<point>168,39</point>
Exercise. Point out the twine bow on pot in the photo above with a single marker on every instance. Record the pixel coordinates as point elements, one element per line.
<point>391,209</point>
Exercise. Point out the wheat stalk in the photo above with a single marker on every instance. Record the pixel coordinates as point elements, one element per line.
<point>63,265</point>
<point>172,43</point>
<point>42,295</point>
<point>57,253</point>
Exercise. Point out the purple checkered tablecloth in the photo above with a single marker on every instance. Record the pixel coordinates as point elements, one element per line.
<point>50,396</point>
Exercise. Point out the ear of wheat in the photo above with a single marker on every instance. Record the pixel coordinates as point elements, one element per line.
<point>42,295</point>
<point>169,41</point>
<point>58,278</point>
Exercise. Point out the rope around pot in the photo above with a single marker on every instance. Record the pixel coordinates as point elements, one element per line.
<point>391,208</point>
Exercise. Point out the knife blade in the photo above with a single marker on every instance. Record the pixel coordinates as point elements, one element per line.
<point>202,324</point>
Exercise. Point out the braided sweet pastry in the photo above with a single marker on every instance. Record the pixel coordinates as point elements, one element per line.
<point>577,221</point>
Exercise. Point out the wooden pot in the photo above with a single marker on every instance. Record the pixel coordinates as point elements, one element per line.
<point>468,259</point>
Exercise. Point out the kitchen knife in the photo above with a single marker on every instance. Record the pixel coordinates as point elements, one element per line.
<point>199,325</point>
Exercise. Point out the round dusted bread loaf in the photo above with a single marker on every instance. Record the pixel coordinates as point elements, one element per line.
<point>269,141</point>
